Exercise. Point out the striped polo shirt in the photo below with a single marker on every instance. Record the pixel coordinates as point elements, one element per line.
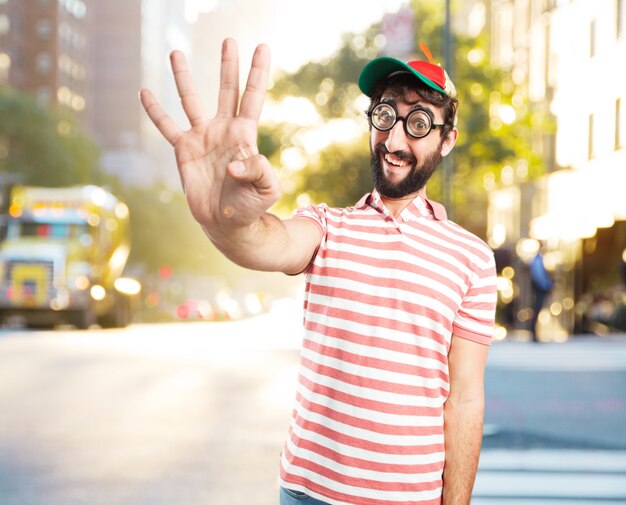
<point>383,298</point>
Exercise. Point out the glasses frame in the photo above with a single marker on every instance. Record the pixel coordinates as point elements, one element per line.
<point>404,119</point>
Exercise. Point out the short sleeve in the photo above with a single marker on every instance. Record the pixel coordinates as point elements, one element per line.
<point>476,316</point>
<point>317,214</point>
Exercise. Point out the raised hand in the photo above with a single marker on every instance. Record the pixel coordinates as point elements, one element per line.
<point>228,185</point>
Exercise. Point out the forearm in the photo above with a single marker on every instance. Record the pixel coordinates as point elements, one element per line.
<point>268,244</point>
<point>463,430</point>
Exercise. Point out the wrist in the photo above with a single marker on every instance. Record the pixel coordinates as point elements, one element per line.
<point>230,234</point>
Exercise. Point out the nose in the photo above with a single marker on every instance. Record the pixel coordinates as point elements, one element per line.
<point>396,138</point>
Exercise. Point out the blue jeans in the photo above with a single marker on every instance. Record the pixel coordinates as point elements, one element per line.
<point>290,497</point>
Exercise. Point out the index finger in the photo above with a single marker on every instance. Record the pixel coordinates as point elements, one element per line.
<point>159,117</point>
<point>189,98</point>
<point>256,87</point>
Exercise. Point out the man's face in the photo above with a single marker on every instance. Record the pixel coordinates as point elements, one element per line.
<point>401,164</point>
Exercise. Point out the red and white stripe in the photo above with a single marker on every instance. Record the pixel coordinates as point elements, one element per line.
<point>383,298</point>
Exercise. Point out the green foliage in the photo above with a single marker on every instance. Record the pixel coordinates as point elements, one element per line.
<point>331,84</point>
<point>486,143</point>
<point>44,146</point>
<point>164,232</point>
<point>340,174</point>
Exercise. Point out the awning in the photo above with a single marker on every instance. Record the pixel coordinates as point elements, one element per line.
<point>581,201</point>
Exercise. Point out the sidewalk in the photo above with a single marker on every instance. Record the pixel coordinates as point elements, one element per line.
<point>555,423</point>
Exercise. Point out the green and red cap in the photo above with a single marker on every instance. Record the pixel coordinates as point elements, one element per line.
<point>430,74</point>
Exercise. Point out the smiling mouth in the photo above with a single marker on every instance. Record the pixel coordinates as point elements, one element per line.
<point>394,161</point>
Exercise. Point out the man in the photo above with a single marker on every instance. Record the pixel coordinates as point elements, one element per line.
<point>542,285</point>
<point>399,301</point>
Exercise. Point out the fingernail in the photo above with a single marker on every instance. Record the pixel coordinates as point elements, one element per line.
<point>238,168</point>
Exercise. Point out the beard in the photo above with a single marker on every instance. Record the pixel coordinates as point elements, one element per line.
<point>415,180</point>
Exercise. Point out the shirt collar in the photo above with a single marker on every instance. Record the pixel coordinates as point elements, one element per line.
<point>437,210</point>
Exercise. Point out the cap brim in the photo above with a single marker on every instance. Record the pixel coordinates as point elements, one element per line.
<point>382,67</point>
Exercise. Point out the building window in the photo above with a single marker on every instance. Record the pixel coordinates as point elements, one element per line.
<point>5,67</point>
<point>44,95</point>
<point>549,5</point>
<point>80,11</point>
<point>5,24</point>
<point>547,70</point>
<point>592,39</point>
<point>44,29</point>
<point>619,143</point>
<point>43,63</point>
<point>590,139</point>
<point>77,8</point>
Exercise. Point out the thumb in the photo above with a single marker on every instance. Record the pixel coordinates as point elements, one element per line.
<point>255,170</point>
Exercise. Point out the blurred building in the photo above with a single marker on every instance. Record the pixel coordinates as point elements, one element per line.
<point>216,23</point>
<point>44,50</point>
<point>93,57</point>
<point>131,43</point>
<point>564,56</point>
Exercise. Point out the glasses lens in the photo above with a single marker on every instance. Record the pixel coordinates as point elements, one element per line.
<point>383,117</point>
<point>419,123</point>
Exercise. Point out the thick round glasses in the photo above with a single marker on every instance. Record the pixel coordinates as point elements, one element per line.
<point>417,124</point>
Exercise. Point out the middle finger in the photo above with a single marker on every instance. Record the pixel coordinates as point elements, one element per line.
<point>229,80</point>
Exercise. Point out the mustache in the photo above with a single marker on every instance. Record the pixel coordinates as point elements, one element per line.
<point>403,155</point>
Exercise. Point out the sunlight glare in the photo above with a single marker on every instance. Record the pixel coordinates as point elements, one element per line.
<point>282,391</point>
<point>293,159</point>
<point>335,131</point>
<point>292,110</point>
<point>193,7</point>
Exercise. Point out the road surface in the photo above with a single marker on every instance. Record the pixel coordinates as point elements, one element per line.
<point>196,413</point>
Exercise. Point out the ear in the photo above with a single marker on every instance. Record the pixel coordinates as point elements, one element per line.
<point>449,141</point>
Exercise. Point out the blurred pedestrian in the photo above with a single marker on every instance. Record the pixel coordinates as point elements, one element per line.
<point>542,285</point>
<point>399,302</point>
<point>623,266</point>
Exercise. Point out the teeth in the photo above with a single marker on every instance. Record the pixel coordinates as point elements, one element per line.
<point>395,162</point>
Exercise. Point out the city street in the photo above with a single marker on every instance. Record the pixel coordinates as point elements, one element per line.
<point>555,423</point>
<point>197,413</point>
<point>153,155</point>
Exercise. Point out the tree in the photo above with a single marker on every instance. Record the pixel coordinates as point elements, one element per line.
<point>340,174</point>
<point>334,175</point>
<point>496,127</point>
<point>44,146</point>
<point>164,232</point>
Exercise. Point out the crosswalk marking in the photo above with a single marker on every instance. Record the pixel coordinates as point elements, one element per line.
<point>587,355</point>
<point>546,459</point>
<point>542,476</point>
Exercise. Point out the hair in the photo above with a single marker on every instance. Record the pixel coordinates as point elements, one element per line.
<point>401,84</point>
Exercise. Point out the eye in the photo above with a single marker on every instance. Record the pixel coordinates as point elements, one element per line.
<point>383,116</point>
<point>419,122</point>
